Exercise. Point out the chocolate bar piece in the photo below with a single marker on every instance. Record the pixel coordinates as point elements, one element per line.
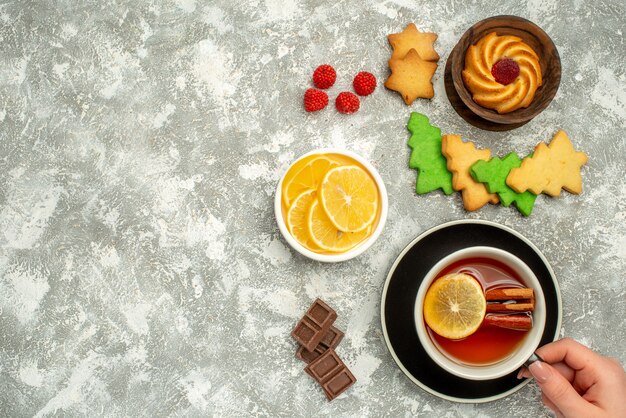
<point>325,366</point>
<point>309,356</point>
<point>314,325</point>
<point>331,373</point>
<point>331,339</point>
<point>337,384</point>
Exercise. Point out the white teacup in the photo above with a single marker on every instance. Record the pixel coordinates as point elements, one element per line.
<point>528,345</point>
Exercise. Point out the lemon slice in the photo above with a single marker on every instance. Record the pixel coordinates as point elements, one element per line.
<point>349,197</point>
<point>454,306</point>
<point>298,180</point>
<point>297,219</point>
<point>324,234</point>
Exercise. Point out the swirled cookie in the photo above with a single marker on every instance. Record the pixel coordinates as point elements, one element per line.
<point>502,72</point>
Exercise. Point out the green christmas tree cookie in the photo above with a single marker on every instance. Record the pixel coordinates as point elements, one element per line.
<point>494,173</point>
<point>426,156</point>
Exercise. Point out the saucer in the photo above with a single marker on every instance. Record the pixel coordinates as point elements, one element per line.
<point>400,290</point>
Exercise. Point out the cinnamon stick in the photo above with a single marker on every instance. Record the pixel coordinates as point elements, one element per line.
<point>515,293</point>
<point>511,307</point>
<point>516,322</point>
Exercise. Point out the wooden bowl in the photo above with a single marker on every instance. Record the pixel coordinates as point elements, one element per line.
<point>549,61</point>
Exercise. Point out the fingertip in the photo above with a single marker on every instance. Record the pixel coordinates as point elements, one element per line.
<point>540,371</point>
<point>523,373</point>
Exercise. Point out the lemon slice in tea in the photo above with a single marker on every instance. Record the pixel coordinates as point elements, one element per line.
<point>454,306</point>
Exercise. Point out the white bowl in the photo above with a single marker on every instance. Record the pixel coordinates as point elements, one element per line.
<point>360,248</point>
<point>528,345</point>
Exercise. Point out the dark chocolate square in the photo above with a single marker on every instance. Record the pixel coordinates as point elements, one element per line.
<point>338,383</point>
<point>322,314</point>
<point>308,356</point>
<point>325,366</point>
<point>307,333</point>
<point>332,338</point>
<point>314,325</point>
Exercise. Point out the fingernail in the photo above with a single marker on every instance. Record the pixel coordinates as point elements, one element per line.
<point>519,374</point>
<point>540,371</point>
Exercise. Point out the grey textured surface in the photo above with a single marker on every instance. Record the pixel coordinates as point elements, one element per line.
<point>141,269</point>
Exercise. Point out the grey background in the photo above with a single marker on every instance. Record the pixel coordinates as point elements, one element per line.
<point>141,269</point>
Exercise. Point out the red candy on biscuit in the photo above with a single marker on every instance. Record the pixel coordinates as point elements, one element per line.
<point>505,71</point>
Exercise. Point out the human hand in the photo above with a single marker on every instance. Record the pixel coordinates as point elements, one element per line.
<point>577,382</point>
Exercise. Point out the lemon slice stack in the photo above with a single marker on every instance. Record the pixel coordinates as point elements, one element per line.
<point>332,204</point>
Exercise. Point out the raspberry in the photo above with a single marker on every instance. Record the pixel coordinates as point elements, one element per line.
<point>315,100</point>
<point>347,102</point>
<point>505,71</point>
<point>324,76</point>
<point>364,83</point>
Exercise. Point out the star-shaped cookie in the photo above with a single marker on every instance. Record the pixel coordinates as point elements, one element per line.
<point>411,77</point>
<point>461,156</point>
<point>551,168</point>
<point>412,38</point>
